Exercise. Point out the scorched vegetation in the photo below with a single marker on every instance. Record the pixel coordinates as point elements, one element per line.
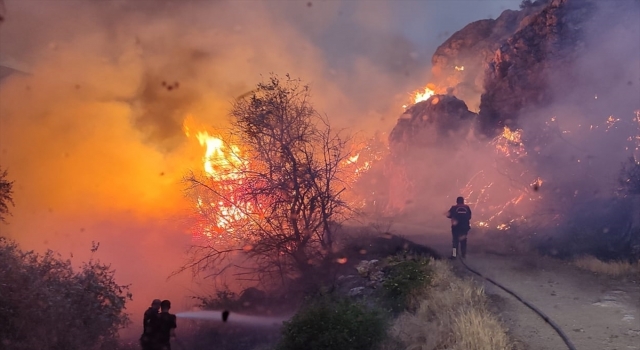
<point>277,192</point>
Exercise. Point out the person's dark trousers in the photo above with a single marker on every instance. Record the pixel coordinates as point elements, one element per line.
<point>459,239</point>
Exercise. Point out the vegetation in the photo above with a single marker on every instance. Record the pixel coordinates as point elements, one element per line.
<point>451,314</point>
<point>609,268</point>
<point>334,324</point>
<point>45,304</point>
<point>282,186</point>
<point>403,279</point>
<point>6,194</point>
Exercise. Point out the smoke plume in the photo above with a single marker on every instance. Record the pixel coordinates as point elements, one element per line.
<point>94,95</point>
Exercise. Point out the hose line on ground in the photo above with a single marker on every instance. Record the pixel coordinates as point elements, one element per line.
<point>557,328</point>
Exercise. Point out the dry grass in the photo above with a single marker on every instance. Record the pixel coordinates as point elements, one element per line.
<point>612,268</point>
<point>452,313</point>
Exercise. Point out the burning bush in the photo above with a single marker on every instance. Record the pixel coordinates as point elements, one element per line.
<point>276,193</point>
<point>45,304</point>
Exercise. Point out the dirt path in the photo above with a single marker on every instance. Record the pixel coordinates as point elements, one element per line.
<point>596,313</point>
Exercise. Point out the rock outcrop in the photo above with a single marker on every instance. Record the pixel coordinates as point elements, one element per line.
<point>517,77</point>
<point>432,122</point>
<point>507,64</point>
<point>460,62</point>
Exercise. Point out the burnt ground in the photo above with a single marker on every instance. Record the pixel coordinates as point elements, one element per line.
<point>596,312</point>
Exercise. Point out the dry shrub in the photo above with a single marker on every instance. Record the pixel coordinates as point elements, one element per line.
<point>452,314</point>
<point>610,268</point>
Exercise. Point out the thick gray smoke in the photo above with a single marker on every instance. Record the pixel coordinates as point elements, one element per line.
<point>558,162</point>
<point>94,94</point>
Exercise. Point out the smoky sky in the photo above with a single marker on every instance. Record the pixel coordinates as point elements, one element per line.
<point>575,144</point>
<point>91,115</point>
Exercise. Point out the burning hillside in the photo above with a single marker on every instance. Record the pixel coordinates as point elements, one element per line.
<point>556,120</point>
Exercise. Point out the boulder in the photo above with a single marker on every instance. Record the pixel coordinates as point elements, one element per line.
<point>431,122</point>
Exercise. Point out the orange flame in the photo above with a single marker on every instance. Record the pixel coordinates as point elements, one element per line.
<point>422,95</point>
<point>224,164</point>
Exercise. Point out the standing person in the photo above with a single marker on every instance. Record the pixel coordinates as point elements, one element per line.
<point>150,325</point>
<point>166,326</point>
<point>460,215</point>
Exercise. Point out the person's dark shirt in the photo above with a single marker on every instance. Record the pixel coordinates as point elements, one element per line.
<point>166,323</point>
<point>149,321</point>
<point>460,215</point>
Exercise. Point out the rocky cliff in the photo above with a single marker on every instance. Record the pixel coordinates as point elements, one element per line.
<point>517,77</point>
<point>460,62</point>
<point>504,64</point>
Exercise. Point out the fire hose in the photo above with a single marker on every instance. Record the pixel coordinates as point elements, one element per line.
<point>553,325</point>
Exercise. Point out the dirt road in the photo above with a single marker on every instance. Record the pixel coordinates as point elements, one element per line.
<point>596,312</point>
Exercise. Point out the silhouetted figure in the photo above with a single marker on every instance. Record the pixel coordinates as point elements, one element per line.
<point>460,215</point>
<point>225,315</point>
<point>166,327</point>
<point>150,325</point>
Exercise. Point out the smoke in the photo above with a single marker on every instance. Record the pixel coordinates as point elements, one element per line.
<point>563,163</point>
<point>94,94</point>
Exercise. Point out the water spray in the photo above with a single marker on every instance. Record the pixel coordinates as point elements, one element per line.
<point>239,319</point>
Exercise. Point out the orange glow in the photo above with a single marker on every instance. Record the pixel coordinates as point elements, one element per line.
<point>422,95</point>
<point>220,162</point>
<point>223,163</point>
<point>510,143</point>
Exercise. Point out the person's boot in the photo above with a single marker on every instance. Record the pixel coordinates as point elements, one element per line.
<point>453,254</point>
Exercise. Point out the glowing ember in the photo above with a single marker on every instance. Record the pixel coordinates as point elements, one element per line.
<point>503,227</point>
<point>535,185</point>
<point>459,68</point>
<point>353,159</point>
<point>510,143</point>
<point>611,121</point>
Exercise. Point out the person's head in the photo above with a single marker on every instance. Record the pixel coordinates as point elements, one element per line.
<point>165,305</point>
<point>460,200</point>
<point>155,304</point>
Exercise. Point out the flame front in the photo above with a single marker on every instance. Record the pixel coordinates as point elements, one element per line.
<point>223,163</point>
<point>422,94</point>
<point>220,162</point>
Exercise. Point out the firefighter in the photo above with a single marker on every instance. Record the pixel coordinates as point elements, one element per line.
<point>460,215</point>
<point>167,326</point>
<point>150,325</point>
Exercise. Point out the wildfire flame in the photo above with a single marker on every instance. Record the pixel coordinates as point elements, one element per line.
<point>220,161</point>
<point>422,94</point>
<point>510,143</point>
<point>224,164</point>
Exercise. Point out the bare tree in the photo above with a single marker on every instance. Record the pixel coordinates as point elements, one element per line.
<point>279,194</point>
